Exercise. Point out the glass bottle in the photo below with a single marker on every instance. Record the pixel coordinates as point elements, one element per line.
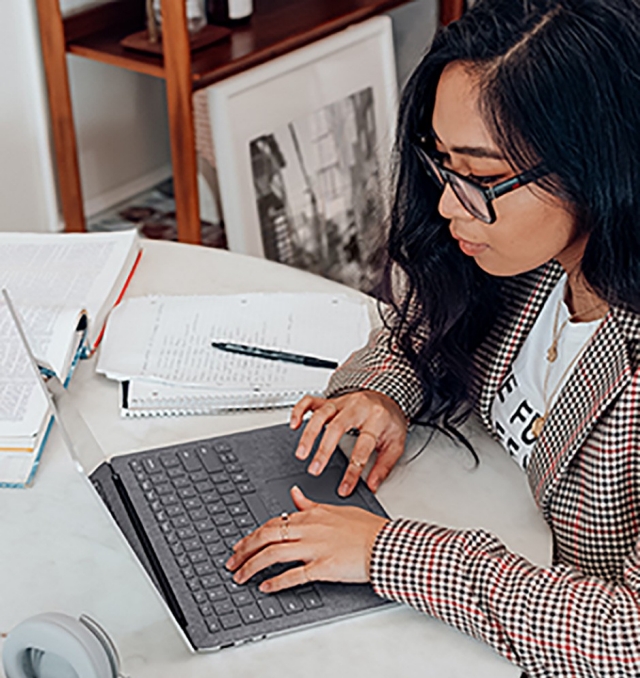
<point>196,17</point>
<point>229,12</point>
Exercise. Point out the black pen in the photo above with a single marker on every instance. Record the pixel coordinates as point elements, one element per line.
<point>271,354</point>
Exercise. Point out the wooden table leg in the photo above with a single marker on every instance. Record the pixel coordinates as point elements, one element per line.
<point>450,10</point>
<point>177,64</point>
<point>64,135</point>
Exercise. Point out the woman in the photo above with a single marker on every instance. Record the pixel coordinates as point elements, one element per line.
<point>515,225</point>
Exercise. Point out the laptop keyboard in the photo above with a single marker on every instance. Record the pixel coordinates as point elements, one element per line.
<point>204,503</point>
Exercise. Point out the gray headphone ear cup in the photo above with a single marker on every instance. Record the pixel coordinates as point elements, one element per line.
<point>62,635</point>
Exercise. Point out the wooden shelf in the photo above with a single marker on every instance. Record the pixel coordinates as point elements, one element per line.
<point>276,27</point>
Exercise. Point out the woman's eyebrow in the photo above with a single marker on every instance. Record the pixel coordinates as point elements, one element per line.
<point>472,151</point>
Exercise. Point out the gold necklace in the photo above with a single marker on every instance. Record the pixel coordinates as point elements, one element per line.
<point>552,355</point>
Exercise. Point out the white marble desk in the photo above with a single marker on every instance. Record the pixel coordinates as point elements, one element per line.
<point>60,551</point>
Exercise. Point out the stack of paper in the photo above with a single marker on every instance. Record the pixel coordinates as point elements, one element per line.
<point>160,349</point>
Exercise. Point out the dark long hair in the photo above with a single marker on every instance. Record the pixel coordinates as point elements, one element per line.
<point>559,84</point>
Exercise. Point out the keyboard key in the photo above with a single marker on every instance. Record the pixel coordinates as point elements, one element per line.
<point>210,537</point>
<point>230,621</point>
<point>136,465</point>
<point>200,597</point>
<point>188,572</point>
<point>223,607</point>
<point>251,614</point>
<point>198,476</point>
<point>152,495</point>
<point>232,498</point>
<point>210,497</point>
<point>140,476</point>
<point>217,507</point>
<point>221,477</point>
<point>241,477</point>
<point>222,519</point>
<point>146,485</point>
<point>290,603</point>
<point>311,600</point>
<point>194,585</point>
<point>197,556</point>
<point>206,610</point>
<point>228,458</point>
<point>270,607</point>
<point>151,465</point>
<point>183,561</point>
<point>166,527</point>
<point>210,459</point>
<point>171,537</point>
<point>246,488</point>
<point>186,533</point>
<point>205,486</point>
<point>174,510</point>
<point>192,544</point>
<point>181,481</point>
<point>161,516</point>
<point>158,478</point>
<point>216,594</point>
<point>176,472</point>
<point>245,521</point>
<point>242,598</point>
<point>205,568</point>
<point>219,562</point>
<point>228,531</point>
<point>231,541</point>
<point>216,549</point>
<point>232,587</point>
<point>190,460</point>
<point>225,488</point>
<point>233,468</point>
<point>220,446</point>
<point>237,510</point>
<point>186,492</point>
<point>199,514</point>
<point>169,460</point>
<point>209,581</point>
<point>193,503</point>
<point>168,499</point>
<point>164,488</point>
<point>203,525</point>
<point>177,549</point>
<point>181,521</point>
<point>213,625</point>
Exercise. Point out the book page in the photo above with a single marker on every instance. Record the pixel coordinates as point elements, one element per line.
<point>53,277</point>
<point>169,339</point>
<point>23,405</point>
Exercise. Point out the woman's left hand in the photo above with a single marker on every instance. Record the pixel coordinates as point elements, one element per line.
<point>333,543</point>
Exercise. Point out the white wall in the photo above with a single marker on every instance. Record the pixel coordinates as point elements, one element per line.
<point>120,117</point>
<point>27,189</point>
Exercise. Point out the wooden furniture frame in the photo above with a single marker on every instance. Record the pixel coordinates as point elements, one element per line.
<point>277,27</point>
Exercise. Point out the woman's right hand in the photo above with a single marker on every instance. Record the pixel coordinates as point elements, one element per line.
<point>382,426</point>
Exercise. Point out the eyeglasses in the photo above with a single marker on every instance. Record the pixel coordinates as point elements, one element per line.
<point>474,197</point>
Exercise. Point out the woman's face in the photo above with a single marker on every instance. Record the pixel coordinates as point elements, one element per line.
<point>532,226</point>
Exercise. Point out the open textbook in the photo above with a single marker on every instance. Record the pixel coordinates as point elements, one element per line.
<point>160,349</point>
<point>62,286</point>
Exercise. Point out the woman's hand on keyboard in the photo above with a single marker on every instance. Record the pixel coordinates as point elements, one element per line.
<point>333,543</point>
<point>378,418</point>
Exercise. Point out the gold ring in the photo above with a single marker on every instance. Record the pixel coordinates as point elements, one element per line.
<point>356,463</point>
<point>364,432</point>
<point>284,526</point>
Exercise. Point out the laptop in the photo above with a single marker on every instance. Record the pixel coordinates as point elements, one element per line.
<point>182,507</point>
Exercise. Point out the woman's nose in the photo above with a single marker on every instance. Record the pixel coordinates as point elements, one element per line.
<point>450,206</point>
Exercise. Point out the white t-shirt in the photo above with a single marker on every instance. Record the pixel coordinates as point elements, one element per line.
<point>520,398</point>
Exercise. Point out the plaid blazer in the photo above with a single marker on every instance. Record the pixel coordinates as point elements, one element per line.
<point>581,616</point>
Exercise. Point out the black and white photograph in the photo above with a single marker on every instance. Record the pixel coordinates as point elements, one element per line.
<point>305,183</point>
<point>318,192</point>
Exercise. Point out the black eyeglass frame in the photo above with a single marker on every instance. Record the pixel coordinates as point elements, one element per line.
<point>442,175</point>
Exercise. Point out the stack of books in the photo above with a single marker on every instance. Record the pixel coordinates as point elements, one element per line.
<point>63,287</point>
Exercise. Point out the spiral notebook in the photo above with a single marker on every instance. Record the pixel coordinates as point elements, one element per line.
<point>159,349</point>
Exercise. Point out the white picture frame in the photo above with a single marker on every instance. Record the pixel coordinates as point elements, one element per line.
<point>348,77</point>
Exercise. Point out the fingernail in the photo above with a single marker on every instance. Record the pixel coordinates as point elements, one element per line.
<point>314,469</point>
<point>237,578</point>
<point>343,490</point>
<point>265,587</point>
<point>374,484</point>
<point>230,563</point>
<point>300,452</point>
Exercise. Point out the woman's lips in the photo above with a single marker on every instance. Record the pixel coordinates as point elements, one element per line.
<point>471,249</point>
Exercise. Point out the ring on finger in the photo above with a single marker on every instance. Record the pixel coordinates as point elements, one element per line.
<point>373,436</point>
<point>333,407</point>
<point>284,526</point>
<point>357,463</point>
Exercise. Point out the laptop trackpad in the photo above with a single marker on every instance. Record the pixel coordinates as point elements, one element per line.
<point>322,489</point>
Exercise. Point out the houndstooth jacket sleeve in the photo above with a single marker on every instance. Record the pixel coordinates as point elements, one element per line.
<point>581,616</point>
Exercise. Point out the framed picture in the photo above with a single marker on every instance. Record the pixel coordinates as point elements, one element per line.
<point>302,146</point>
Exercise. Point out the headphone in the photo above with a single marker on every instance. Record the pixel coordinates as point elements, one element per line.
<point>55,645</point>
